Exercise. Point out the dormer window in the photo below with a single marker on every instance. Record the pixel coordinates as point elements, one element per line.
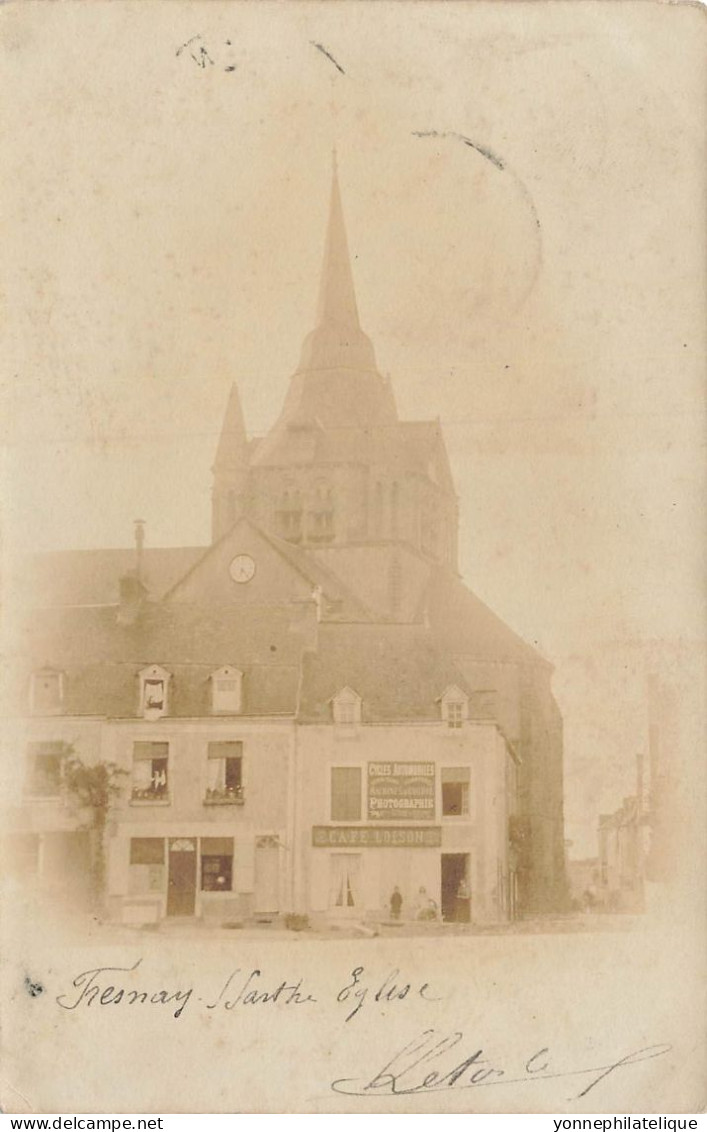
<point>455,708</point>
<point>154,688</point>
<point>346,708</point>
<point>226,691</point>
<point>47,691</point>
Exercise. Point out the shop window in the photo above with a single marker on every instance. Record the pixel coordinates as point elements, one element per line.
<point>455,708</point>
<point>226,689</point>
<point>216,864</point>
<point>345,793</point>
<point>455,791</point>
<point>147,866</point>
<point>346,708</point>
<point>225,773</point>
<point>150,782</point>
<point>46,692</point>
<point>44,767</point>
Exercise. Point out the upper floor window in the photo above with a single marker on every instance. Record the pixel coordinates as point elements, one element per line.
<point>455,791</point>
<point>225,772</point>
<point>346,793</point>
<point>47,691</point>
<point>150,781</point>
<point>44,769</point>
<point>455,707</point>
<point>321,517</point>
<point>289,515</point>
<point>154,688</point>
<point>346,708</point>
<point>226,689</point>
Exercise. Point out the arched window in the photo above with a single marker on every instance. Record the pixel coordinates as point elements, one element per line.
<point>289,515</point>
<point>321,515</point>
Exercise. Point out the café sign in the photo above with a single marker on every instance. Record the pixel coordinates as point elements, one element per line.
<point>401,791</point>
<point>376,837</point>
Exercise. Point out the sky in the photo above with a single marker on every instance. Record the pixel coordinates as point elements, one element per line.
<point>523,187</point>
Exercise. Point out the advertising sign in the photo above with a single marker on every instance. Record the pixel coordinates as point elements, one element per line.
<point>376,837</point>
<point>400,791</point>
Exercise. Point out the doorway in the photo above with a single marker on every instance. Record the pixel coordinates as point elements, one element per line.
<point>267,874</point>
<point>345,885</point>
<point>181,888</point>
<point>456,893</point>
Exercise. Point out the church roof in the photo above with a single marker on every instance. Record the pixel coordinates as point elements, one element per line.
<point>466,627</point>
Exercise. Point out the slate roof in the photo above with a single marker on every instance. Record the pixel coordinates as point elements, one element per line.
<point>396,669</point>
<point>465,627</point>
<point>101,658</point>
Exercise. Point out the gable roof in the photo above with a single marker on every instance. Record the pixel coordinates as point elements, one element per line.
<point>339,602</point>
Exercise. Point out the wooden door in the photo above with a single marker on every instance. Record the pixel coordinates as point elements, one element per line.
<point>181,888</point>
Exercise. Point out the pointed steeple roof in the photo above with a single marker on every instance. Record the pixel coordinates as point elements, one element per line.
<point>232,451</point>
<point>337,341</point>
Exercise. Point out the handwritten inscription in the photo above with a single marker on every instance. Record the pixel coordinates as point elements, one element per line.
<point>433,1063</point>
<point>242,988</point>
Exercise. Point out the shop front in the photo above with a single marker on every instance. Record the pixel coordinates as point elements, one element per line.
<point>212,875</point>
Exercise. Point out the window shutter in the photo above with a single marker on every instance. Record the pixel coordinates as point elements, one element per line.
<point>244,867</point>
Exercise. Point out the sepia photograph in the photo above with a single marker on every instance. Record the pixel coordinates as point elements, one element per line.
<point>353,557</point>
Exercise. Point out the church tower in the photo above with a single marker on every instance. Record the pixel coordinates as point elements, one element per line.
<point>339,473</point>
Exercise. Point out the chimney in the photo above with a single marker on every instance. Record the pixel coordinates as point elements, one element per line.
<point>131,589</point>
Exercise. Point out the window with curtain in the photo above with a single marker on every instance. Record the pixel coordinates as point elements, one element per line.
<point>224,768</point>
<point>344,889</point>
<point>150,772</point>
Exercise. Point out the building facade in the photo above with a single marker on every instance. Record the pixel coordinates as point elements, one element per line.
<point>312,713</point>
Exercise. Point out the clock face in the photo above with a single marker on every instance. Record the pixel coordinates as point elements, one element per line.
<point>242,568</point>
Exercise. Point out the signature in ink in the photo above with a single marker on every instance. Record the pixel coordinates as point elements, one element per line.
<point>431,1063</point>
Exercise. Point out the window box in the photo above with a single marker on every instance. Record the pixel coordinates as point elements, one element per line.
<point>224,796</point>
<point>150,795</point>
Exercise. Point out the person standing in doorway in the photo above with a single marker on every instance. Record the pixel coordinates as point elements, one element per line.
<point>396,903</point>
<point>463,908</point>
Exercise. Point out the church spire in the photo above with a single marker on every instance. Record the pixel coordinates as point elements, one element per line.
<point>232,446</point>
<point>230,469</point>
<point>337,341</point>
